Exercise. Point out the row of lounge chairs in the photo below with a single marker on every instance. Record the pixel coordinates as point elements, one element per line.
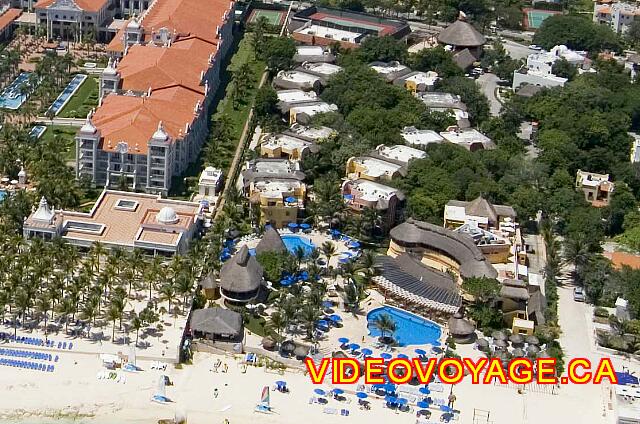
<point>36,341</point>
<point>19,353</point>
<point>334,411</point>
<point>26,365</point>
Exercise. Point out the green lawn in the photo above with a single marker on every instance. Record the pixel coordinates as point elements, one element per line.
<point>82,101</point>
<point>66,136</point>
<point>184,185</point>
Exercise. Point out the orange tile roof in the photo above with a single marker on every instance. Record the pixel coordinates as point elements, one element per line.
<point>86,5</point>
<point>158,67</point>
<point>134,119</point>
<point>117,44</point>
<point>187,17</point>
<point>619,259</point>
<point>8,17</point>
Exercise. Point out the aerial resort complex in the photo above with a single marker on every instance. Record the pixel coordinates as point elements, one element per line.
<point>228,212</point>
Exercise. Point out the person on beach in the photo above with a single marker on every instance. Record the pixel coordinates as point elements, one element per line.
<point>215,393</point>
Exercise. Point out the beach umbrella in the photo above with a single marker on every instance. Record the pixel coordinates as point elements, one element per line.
<point>286,283</point>
<point>290,199</point>
<point>343,340</point>
<point>335,318</point>
<point>420,352</point>
<point>389,387</point>
<point>281,383</point>
<point>354,346</point>
<point>386,355</point>
<point>498,335</point>
<point>445,408</point>
<point>292,225</point>
<point>288,346</point>
<point>319,392</point>
<point>424,390</point>
<point>422,404</point>
<point>348,196</point>
<point>305,226</point>
<point>367,352</point>
<point>402,401</point>
<point>390,399</point>
<point>322,323</point>
<point>424,412</point>
<point>343,260</point>
<point>334,232</point>
<point>518,352</point>
<point>362,395</point>
<point>500,343</point>
<point>353,244</point>
<point>338,391</point>
<point>532,349</point>
<point>532,340</point>
<point>402,356</point>
<point>516,339</point>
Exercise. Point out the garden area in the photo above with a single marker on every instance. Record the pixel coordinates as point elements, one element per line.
<point>85,99</point>
<point>64,135</point>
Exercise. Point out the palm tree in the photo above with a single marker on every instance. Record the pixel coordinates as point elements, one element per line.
<point>576,252</point>
<point>97,250</point>
<point>43,305</point>
<point>309,315</point>
<point>184,286</point>
<point>328,250</point>
<point>168,293</point>
<point>299,253</point>
<point>136,324</point>
<point>385,324</point>
<point>277,323</point>
<point>351,297</point>
<point>113,314</point>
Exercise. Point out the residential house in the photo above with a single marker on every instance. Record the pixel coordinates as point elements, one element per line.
<point>373,169</point>
<point>210,182</point>
<point>313,54</point>
<point>446,102</point>
<point>398,154</point>
<point>539,69</point>
<point>635,147</point>
<point>390,71</point>
<point>364,194</point>
<point>297,80</point>
<point>304,113</point>
<point>618,15</point>
<point>418,82</point>
<point>294,97</point>
<point>480,211</point>
<point>469,138</point>
<point>285,146</point>
<point>322,70</point>
<point>596,187</point>
<point>422,138</point>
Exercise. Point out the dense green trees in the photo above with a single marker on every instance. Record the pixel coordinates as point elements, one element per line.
<point>436,59</point>
<point>383,49</point>
<point>576,32</point>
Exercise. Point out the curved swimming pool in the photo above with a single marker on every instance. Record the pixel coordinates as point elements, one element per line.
<point>411,329</point>
<point>293,241</point>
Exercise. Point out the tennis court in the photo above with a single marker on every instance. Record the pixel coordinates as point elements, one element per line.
<point>536,17</point>
<point>275,17</point>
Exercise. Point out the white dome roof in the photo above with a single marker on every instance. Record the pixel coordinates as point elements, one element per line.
<point>88,126</point>
<point>44,212</point>
<point>167,215</point>
<point>111,68</point>
<point>160,133</point>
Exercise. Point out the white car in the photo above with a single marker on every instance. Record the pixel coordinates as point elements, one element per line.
<point>578,294</point>
<point>535,47</point>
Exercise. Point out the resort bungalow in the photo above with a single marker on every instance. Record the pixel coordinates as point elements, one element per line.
<point>398,154</point>
<point>322,70</point>
<point>241,278</point>
<point>217,324</point>
<point>421,138</point>
<point>120,219</point>
<point>596,187</point>
<point>441,249</point>
<point>446,102</point>
<point>373,169</point>
<point>479,210</point>
<point>290,98</point>
<point>469,138</point>
<point>364,194</point>
<point>303,114</point>
<point>210,182</point>
<point>390,71</point>
<point>460,329</point>
<point>297,80</point>
<point>418,82</point>
<point>313,54</point>
<point>286,146</point>
<point>518,300</point>
<point>277,186</point>
<point>315,134</point>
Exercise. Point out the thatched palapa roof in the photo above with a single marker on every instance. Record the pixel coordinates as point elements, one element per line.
<point>216,321</point>
<point>461,34</point>
<point>458,326</point>
<point>271,242</point>
<point>242,273</point>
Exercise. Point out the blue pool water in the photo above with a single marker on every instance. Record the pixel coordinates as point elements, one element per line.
<point>37,131</point>
<point>411,329</point>
<point>66,94</point>
<point>292,241</point>
<point>11,97</point>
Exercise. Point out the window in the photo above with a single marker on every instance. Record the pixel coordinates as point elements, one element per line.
<point>127,205</point>
<point>85,227</point>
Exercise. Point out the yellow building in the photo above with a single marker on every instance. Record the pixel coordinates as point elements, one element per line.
<point>277,186</point>
<point>373,169</point>
<point>285,146</point>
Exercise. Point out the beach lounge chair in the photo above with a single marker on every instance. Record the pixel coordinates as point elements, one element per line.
<point>344,412</point>
<point>330,411</point>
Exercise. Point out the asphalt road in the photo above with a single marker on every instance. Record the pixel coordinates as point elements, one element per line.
<point>488,83</point>
<point>517,50</point>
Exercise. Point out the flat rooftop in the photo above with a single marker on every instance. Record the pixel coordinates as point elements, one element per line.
<point>285,141</point>
<point>376,167</point>
<point>442,100</point>
<point>312,109</point>
<point>312,133</point>
<point>326,32</point>
<point>273,166</point>
<point>298,77</point>
<point>372,191</point>
<point>296,96</point>
<point>122,218</point>
<point>276,188</point>
<point>310,50</point>
<point>400,153</point>
<point>466,137</point>
<point>388,68</point>
<point>322,68</point>
<point>210,175</point>
<point>427,78</point>
<point>420,137</point>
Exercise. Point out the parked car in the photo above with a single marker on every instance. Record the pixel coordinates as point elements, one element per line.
<point>578,294</point>
<point>535,47</point>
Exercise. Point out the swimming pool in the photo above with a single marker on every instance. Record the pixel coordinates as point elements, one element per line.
<point>292,241</point>
<point>11,97</point>
<point>66,94</point>
<point>411,329</point>
<point>37,131</point>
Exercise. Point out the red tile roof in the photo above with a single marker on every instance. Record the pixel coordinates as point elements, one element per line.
<point>8,17</point>
<point>86,5</point>
<point>619,259</point>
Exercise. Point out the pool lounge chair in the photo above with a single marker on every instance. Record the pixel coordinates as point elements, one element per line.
<point>330,411</point>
